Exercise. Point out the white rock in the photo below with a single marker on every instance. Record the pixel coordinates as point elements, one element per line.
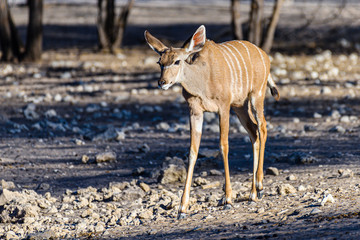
<point>328,198</point>
<point>50,113</point>
<point>30,113</point>
<point>285,189</point>
<point>317,115</point>
<point>105,157</point>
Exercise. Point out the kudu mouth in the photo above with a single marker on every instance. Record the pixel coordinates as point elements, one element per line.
<point>162,84</point>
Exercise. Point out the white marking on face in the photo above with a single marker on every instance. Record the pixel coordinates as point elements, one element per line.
<point>239,68</point>
<point>166,86</point>
<point>248,52</point>
<point>262,58</point>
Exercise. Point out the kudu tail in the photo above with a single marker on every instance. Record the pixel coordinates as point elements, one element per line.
<point>273,88</point>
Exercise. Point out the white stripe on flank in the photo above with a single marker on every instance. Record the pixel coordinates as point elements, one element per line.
<point>262,58</point>
<point>227,62</point>
<point>248,52</point>
<point>239,67</point>
<point>242,58</point>
<point>231,67</point>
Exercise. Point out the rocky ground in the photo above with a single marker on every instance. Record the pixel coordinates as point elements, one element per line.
<point>90,148</point>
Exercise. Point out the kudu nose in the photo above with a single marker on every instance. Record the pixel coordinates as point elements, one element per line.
<point>161,82</point>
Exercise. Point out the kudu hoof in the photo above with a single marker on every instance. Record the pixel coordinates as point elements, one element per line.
<point>260,194</point>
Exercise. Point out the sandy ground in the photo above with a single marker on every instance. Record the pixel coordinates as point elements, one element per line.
<point>55,113</point>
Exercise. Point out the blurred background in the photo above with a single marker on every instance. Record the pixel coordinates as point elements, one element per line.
<point>301,26</point>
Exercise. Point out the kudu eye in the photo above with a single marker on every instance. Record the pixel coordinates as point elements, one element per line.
<point>177,62</point>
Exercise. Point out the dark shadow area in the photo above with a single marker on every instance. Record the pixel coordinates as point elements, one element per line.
<point>306,229</point>
<point>289,41</point>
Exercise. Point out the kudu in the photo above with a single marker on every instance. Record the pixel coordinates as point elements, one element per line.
<point>217,77</point>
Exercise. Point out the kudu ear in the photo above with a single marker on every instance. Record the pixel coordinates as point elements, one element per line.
<point>197,41</point>
<point>155,43</point>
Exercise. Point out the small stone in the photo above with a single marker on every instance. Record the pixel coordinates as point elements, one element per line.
<point>286,189</point>
<point>79,142</point>
<point>291,177</point>
<point>260,210</point>
<point>335,114</point>
<point>173,173</point>
<point>85,159</point>
<point>144,148</point>
<point>105,157</point>
<point>301,188</point>
<point>163,126</point>
<point>11,235</point>
<point>315,211</point>
<point>317,115</point>
<point>209,117</point>
<point>110,134</point>
<point>346,173</point>
<point>138,171</point>
<point>200,181</point>
<point>50,113</point>
<point>345,119</point>
<point>100,227</point>
<point>144,187</point>
<point>337,129</point>
<point>7,185</point>
<point>272,171</point>
<point>6,196</point>
<point>215,172</point>
<point>208,153</point>
<point>325,90</point>
<point>211,185</point>
<point>302,158</point>
<point>213,128</point>
<point>44,186</point>
<point>30,113</point>
<point>327,198</point>
<point>146,214</point>
<point>58,98</point>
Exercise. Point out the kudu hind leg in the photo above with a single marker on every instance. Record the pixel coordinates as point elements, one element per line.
<point>257,108</point>
<point>245,119</point>
<point>196,121</point>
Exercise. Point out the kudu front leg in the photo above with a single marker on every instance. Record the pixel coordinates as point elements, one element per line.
<point>224,147</point>
<point>196,121</point>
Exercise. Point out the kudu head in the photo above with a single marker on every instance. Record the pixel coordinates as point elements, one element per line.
<point>173,60</point>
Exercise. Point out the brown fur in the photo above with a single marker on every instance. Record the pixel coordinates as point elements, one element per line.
<point>220,76</point>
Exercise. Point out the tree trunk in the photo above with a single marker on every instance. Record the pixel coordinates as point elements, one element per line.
<point>255,26</point>
<point>110,20</point>
<point>122,23</point>
<point>10,42</point>
<point>235,20</point>
<point>103,41</point>
<point>268,40</point>
<point>34,32</point>
<point>110,33</point>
